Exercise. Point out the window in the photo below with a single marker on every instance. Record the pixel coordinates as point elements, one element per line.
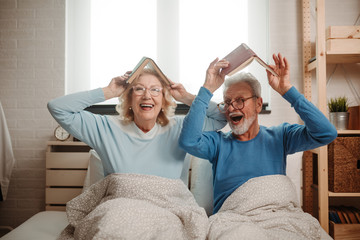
<point>105,38</point>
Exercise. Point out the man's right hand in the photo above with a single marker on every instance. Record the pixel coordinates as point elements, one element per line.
<point>214,78</point>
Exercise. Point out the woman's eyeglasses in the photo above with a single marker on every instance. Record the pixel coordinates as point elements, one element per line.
<point>237,103</point>
<point>140,90</point>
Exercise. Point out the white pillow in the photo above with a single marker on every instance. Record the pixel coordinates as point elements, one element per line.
<point>95,171</point>
<point>293,170</point>
<point>202,183</point>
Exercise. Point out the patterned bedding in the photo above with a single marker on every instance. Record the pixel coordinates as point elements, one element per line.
<point>133,206</point>
<point>264,208</point>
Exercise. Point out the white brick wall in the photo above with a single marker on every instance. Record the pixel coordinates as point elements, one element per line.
<point>32,55</point>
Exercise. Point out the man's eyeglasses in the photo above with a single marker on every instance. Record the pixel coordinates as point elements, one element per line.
<point>237,103</point>
<point>140,90</point>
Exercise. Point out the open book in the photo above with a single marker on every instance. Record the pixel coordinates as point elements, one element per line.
<point>146,62</point>
<point>240,58</point>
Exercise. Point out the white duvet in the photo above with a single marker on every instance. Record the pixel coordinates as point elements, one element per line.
<point>263,208</point>
<point>133,206</point>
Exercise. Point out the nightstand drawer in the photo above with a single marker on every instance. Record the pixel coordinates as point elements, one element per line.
<point>65,160</point>
<point>61,195</point>
<point>72,178</point>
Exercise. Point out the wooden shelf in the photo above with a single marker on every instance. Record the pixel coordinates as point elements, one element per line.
<point>333,194</point>
<point>350,54</point>
<point>336,49</point>
<point>336,58</point>
<point>65,143</point>
<point>348,132</point>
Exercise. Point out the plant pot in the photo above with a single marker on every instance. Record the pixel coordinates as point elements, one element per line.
<point>340,120</point>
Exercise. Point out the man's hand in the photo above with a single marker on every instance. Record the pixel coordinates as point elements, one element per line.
<point>214,79</point>
<point>282,83</point>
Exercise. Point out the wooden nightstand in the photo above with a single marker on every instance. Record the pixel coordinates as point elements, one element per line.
<point>66,167</point>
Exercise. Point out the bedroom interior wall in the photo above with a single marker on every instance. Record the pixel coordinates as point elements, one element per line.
<point>32,71</point>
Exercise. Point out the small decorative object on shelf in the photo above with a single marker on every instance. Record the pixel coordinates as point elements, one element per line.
<point>339,115</point>
<point>61,134</point>
<point>354,120</point>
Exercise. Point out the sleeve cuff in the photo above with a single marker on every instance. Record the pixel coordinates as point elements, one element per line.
<point>97,95</point>
<point>204,95</point>
<point>292,95</point>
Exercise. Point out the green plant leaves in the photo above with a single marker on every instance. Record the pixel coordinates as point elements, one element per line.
<point>339,104</point>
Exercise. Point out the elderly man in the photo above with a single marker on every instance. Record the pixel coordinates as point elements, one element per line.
<point>249,150</point>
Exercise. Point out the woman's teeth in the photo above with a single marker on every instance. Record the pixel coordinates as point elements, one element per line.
<point>146,105</point>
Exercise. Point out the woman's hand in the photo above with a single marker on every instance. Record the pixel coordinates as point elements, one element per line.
<point>214,78</point>
<point>180,94</point>
<point>116,86</point>
<point>282,83</point>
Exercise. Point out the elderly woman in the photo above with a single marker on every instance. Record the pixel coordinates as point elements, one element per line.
<point>143,139</point>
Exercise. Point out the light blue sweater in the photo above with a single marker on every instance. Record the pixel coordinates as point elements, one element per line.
<point>234,162</point>
<point>125,148</point>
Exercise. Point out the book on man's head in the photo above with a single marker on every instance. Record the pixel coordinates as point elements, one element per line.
<point>146,62</point>
<point>240,58</point>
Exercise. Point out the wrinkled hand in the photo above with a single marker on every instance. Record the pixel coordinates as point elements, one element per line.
<point>282,83</point>
<point>214,78</point>
<point>116,86</point>
<point>180,94</point>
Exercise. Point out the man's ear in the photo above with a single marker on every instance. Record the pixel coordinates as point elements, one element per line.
<point>259,103</point>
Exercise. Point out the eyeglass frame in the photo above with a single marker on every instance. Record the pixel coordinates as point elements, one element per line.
<point>149,89</point>
<point>243,100</point>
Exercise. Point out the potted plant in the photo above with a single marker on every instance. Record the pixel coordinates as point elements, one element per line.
<point>339,116</point>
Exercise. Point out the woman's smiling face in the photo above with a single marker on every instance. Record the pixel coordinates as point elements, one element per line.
<point>147,107</point>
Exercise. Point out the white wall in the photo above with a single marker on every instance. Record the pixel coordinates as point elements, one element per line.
<point>32,71</point>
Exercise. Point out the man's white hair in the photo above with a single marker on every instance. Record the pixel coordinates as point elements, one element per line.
<point>246,78</point>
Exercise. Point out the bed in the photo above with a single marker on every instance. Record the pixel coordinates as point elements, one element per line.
<point>50,224</point>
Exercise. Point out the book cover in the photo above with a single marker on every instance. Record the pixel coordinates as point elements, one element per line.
<point>146,62</point>
<point>240,58</point>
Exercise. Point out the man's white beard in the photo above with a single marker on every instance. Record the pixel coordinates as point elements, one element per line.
<point>244,127</point>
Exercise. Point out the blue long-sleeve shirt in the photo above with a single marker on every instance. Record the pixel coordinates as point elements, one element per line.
<point>124,148</point>
<point>234,162</point>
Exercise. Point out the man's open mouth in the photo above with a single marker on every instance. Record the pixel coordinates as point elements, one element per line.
<point>146,106</point>
<point>236,118</point>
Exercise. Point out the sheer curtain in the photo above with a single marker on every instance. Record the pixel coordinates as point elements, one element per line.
<point>105,38</point>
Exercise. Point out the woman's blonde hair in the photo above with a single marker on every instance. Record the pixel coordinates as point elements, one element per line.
<point>168,108</point>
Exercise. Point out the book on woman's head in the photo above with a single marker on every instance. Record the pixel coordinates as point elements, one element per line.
<point>146,62</point>
<point>240,58</point>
